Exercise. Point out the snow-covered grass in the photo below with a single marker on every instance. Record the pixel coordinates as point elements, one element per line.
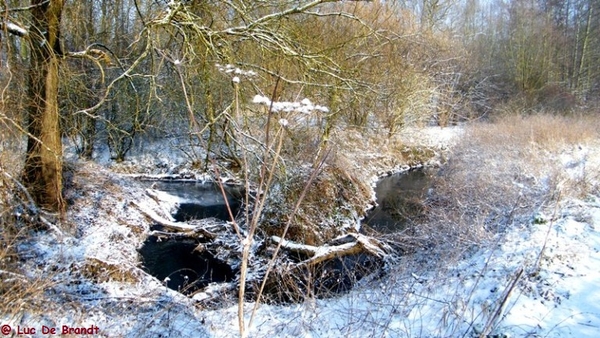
<point>514,267</point>
<point>560,299</point>
<point>535,276</point>
<point>510,186</point>
<point>89,272</point>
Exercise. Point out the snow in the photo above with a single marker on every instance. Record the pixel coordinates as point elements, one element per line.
<point>557,294</point>
<point>553,257</point>
<point>560,300</point>
<point>434,136</point>
<point>11,27</point>
<point>260,99</point>
<point>231,69</point>
<point>305,106</point>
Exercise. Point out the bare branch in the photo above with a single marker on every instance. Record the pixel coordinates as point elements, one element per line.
<point>287,12</point>
<point>24,8</point>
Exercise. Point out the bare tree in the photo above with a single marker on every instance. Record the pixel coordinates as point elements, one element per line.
<point>43,164</point>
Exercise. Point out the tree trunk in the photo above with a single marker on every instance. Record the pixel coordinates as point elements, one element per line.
<point>43,164</point>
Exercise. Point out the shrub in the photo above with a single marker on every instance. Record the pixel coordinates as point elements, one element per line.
<point>502,172</point>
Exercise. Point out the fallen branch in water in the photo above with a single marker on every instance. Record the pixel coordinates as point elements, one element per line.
<point>168,177</point>
<point>350,244</point>
<point>173,226</point>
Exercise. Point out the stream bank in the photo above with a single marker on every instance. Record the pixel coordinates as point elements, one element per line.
<point>186,262</point>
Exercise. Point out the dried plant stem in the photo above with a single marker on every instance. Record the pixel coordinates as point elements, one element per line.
<point>265,179</point>
<point>247,242</point>
<point>538,261</point>
<point>501,303</point>
<point>285,230</point>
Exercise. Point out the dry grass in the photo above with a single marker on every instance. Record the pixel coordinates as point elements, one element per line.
<point>498,174</point>
<point>335,194</point>
<point>99,271</point>
<point>505,171</point>
<point>546,131</point>
<point>20,290</point>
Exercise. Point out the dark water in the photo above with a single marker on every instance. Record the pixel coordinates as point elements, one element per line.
<point>187,269</point>
<point>323,280</point>
<point>400,200</point>
<point>202,200</point>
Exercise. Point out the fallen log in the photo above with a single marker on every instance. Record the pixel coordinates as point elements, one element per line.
<point>351,244</point>
<point>170,177</point>
<point>213,293</point>
<point>325,270</point>
<point>173,226</point>
<point>161,198</point>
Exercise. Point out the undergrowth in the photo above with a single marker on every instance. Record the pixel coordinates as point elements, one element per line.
<point>20,290</point>
<point>503,172</point>
<point>500,175</point>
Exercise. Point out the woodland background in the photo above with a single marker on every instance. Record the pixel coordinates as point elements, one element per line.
<point>128,70</point>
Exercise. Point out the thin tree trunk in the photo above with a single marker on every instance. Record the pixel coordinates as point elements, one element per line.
<point>43,164</point>
<point>583,87</point>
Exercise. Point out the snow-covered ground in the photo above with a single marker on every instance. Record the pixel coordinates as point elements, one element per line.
<point>558,296</point>
<point>539,279</point>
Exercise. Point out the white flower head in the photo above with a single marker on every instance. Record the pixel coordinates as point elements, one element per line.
<point>283,122</point>
<point>322,109</point>
<point>260,99</point>
<point>235,79</point>
<point>305,106</point>
<point>237,72</point>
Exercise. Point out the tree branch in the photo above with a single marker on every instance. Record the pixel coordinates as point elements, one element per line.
<point>352,244</point>
<point>14,29</point>
<point>24,8</point>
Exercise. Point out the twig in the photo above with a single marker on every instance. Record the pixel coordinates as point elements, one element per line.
<point>24,8</point>
<point>14,275</point>
<point>229,211</point>
<point>32,207</point>
<point>538,261</point>
<point>312,177</point>
<point>502,301</point>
